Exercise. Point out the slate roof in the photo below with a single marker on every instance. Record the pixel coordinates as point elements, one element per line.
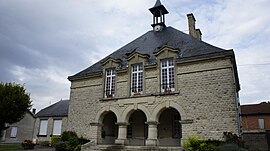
<point>58,109</point>
<point>149,42</point>
<point>262,108</point>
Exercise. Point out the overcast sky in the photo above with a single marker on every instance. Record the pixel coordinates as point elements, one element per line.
<point>42,42</point>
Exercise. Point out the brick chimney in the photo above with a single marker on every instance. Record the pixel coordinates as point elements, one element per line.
<point>196,33</point>
<point>34,111</point>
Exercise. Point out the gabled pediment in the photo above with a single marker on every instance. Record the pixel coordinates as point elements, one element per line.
<point>137,56</point>
<point>166,50</point>
<point>110,62</point>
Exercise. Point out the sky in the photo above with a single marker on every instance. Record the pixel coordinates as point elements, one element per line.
<point>42,42</point>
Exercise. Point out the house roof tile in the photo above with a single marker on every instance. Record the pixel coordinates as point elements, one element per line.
<point>149,42</point>
<point>58,109</point>
<point>262,108</point>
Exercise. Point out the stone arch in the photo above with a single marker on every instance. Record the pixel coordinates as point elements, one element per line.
<point>169,104</point>
<point>129,110</point>
<point>101,113</point>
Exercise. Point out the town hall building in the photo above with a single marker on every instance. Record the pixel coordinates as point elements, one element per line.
<point>157,90</point>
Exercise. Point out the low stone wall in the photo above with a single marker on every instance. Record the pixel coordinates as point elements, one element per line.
<point>257,140</point>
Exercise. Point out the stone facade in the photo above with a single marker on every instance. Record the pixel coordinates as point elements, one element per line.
<point>24,130</point>
<point>47,137</point>
<point>157,90</point>
<point>205,98</point>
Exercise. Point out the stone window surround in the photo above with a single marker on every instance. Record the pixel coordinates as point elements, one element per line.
<point>39,130</point>
<point>169,86</point>
<point>137,72</point>
<point>13,132</point>
<point>112,84</point>
<point>53,127</point>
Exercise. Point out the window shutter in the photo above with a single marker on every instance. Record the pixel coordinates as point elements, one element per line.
<point>57,126</point>
<point>13,132</point>
<point>43,127</point>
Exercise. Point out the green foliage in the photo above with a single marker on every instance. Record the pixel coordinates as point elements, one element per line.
<point>66,135</point>
<point>11,147</point>
<point>44,143</point>
<point>83,140</point>
<point>232,143</point>
<point>196,143</point>
<point>14,102</point>
<point>54,140</point>
<point>61,146</point>
<point>69,141</point>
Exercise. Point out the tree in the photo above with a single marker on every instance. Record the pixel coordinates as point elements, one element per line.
<point>14,102</point>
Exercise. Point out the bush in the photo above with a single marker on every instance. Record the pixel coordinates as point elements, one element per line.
<point>54,140</point>
<point>66,135</point>
<point>60,146</point>
<point>44,143</point>
<point>69,141</point>
<point>196,143</point>
<point>83,140</point>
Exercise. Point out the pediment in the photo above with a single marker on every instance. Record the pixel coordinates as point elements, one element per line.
<point>136,57</point>
<point>110,62</point>
<point>135,54</point>
<point>166,51</point>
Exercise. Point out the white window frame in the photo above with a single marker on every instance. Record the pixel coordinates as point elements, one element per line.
<point>13,132</point>
<point>57,127</point>
<point>261,123</point>
<point>137,80</point>
<point>169,86</point>
<point>43,126</point>
<point>110,83</point>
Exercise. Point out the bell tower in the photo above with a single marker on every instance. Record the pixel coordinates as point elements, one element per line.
<point>158,12</point>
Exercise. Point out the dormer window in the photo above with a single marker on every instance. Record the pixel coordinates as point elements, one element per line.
<point>167,75</point>
<point>137,79</point>
<point>110,83</point>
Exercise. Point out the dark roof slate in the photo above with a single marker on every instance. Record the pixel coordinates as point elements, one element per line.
<point>58,109</point>
<point>262,108</point>
<point>149,42</point>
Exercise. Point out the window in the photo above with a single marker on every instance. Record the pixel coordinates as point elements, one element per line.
<point>13,132</point>
<point>43,127</point>
<point>110,83</point>
<point>57,125</point>
<point>167,75</point>
<point>261,123</point>
<point>137,79</point>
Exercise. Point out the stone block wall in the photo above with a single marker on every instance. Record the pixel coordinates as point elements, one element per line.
<point>25,129</point>
<point>49,128</point>
<point>205,96</point>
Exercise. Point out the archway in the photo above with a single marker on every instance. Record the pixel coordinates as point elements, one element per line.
<point>109,130</point>
<point>137,130</point>
<point>169,128</point>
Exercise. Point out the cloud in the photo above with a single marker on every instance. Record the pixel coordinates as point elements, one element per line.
<point>43,42</point>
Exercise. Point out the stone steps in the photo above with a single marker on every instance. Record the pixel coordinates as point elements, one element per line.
<point>129,148</point>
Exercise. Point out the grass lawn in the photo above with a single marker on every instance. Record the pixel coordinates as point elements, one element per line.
<point>10,146</point>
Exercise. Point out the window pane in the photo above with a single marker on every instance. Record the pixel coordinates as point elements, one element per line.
<point>261,123</point>
<point>137,78</point>
<point>167,74</point>
<point>57,125</point>
<point>13,132</point>
<point>110,83</point>
<point>43,127</point>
